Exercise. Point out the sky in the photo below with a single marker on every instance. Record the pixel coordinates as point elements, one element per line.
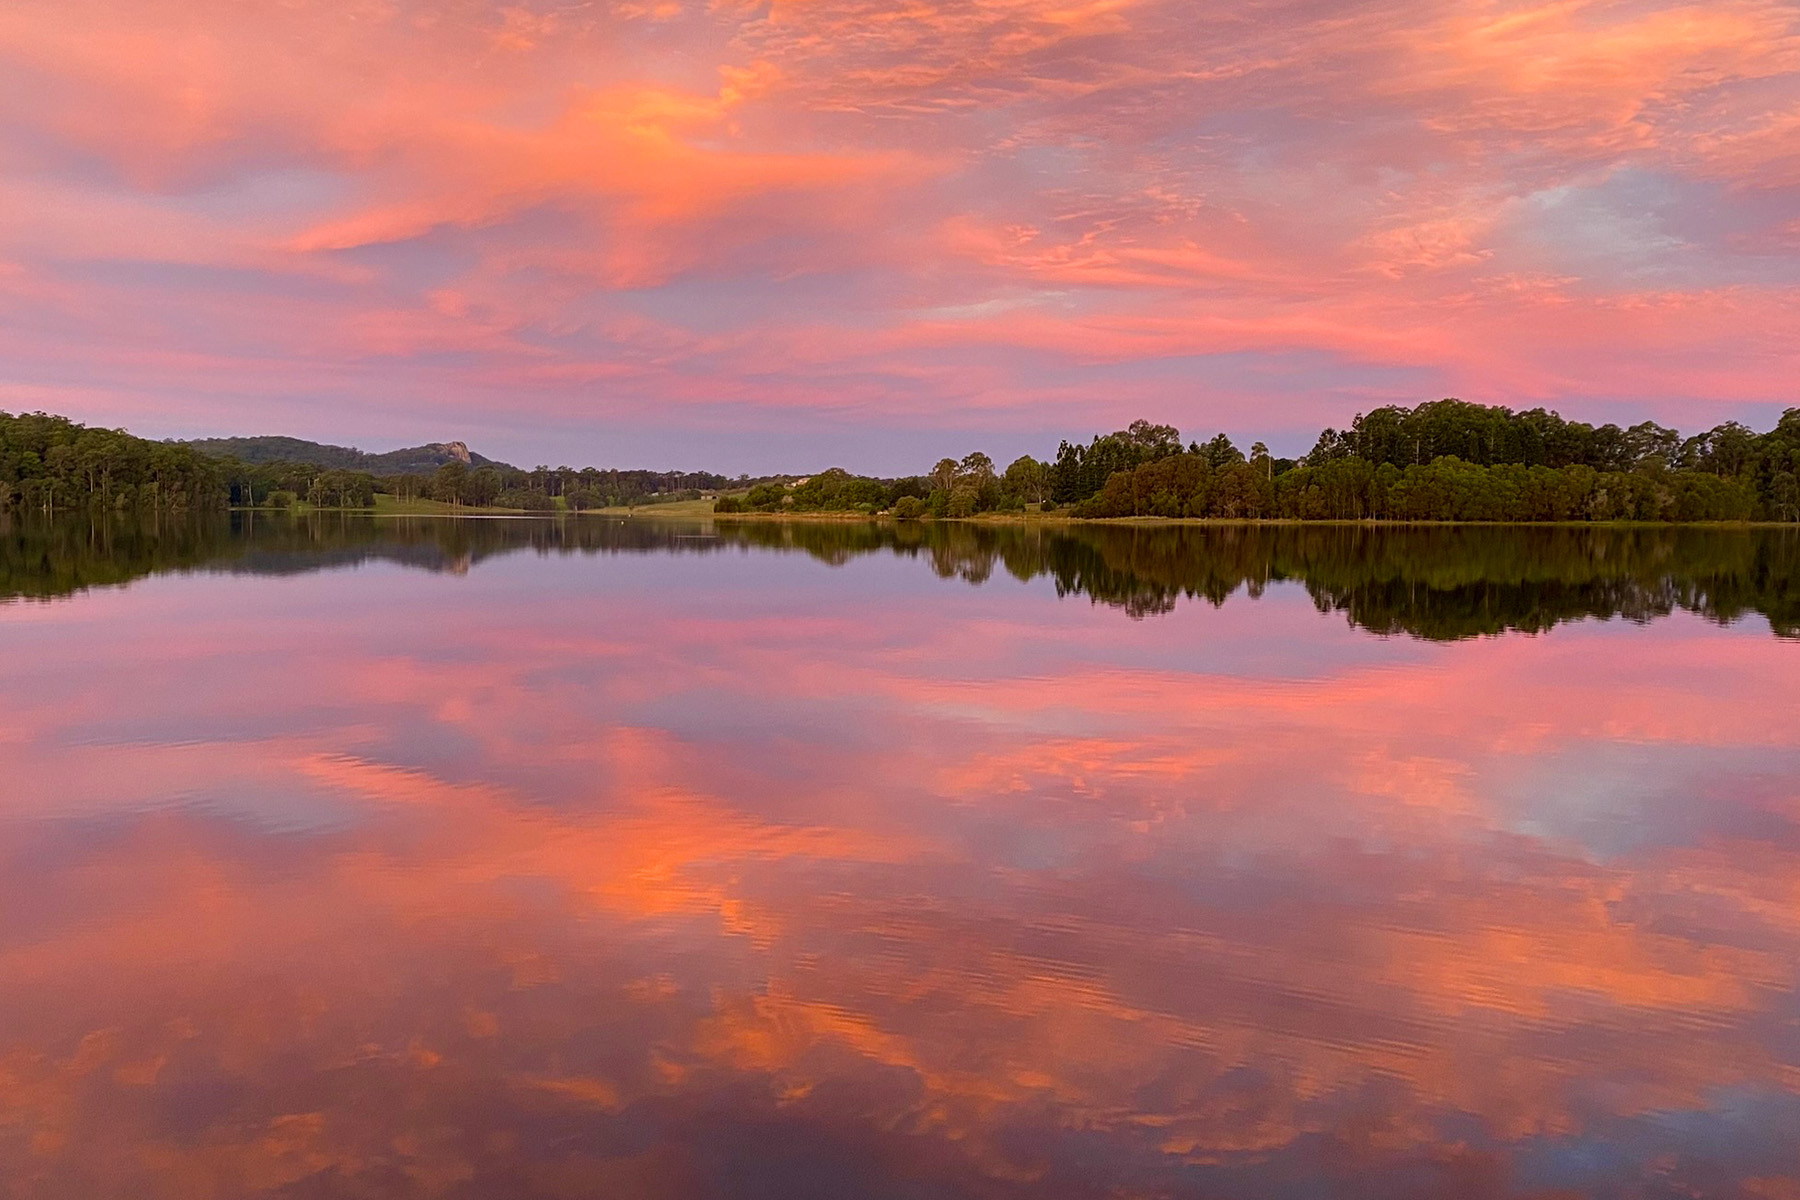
<point>779,236</point>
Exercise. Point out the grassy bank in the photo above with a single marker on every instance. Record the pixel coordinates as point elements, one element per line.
<point>1064,518</point>
<point>392,506</point>
<point>389,506</point>
<point>386,505</point>
<point>677,508</point>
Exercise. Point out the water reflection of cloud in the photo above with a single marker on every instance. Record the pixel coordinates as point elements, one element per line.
<point>1053,924</point>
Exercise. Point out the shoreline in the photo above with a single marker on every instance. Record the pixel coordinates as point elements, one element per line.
<point>1229,522</point>
<point>651,512</point>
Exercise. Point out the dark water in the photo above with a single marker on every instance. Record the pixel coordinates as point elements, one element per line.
<point>359,858</point>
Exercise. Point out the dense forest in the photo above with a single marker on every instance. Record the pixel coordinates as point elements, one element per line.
<point>1451,461</point>
<point>49,464</point>
<point>1443,461</point>
<point>1435,582</point>
<point>545,489</point>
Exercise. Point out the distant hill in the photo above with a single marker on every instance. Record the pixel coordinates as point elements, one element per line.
<point>415,460</point>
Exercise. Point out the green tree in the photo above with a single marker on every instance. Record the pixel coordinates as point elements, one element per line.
<point>450,483</point>
<point>1028,479</point>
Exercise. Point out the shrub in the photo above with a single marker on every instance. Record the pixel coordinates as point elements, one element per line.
<point>766,496</point>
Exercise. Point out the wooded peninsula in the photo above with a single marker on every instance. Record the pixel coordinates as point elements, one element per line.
<point>1447,460</point>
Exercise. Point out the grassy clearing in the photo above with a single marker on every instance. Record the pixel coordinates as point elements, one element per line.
<point>679,508</point>
<point>391,506</point>
<point>1063,517</point>
<point>386,505</point>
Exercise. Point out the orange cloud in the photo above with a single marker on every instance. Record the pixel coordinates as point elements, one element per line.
<point>974,211</point>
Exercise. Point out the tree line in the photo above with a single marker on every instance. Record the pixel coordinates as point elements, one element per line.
<point>1443,461</point>
<point>1447,460</point>
<point>50,464</point>
<point>953,489</point>
<point>543,489</point>
<point>1450,461</point>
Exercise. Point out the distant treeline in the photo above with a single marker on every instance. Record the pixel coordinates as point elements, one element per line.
<point>280,471</point>
<point>545,489</point>
<point>1443,461</point>
<point>50,464</point>
<point>1436,582</point>
<point>418,460</point>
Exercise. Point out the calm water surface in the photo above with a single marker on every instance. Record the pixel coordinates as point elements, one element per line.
<point>362,858</point>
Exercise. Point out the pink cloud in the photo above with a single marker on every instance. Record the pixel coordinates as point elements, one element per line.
<point>969,211</point>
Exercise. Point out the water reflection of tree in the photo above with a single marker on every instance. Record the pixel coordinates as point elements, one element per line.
<point>1431,582</point>
<point>1434,582</point>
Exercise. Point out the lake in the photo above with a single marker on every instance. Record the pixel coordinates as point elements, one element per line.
<point>348,857</point>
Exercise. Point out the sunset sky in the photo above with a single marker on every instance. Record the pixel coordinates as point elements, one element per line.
<point>753,236</point>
